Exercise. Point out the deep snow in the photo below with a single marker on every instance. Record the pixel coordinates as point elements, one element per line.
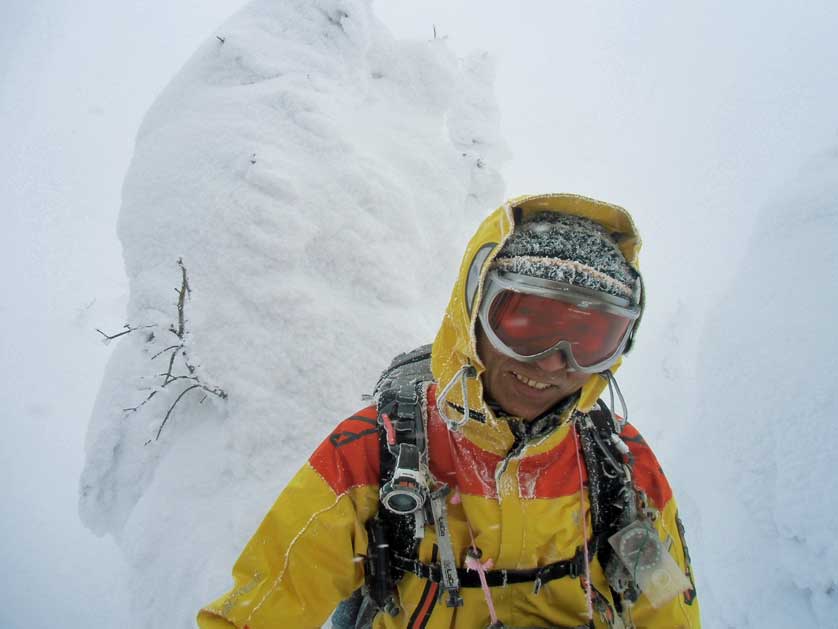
<point>760,443</point>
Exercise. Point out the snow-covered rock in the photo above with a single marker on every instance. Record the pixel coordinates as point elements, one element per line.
<point>761,449</point>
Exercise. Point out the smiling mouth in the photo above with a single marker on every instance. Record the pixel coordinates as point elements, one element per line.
<point>533,384</point>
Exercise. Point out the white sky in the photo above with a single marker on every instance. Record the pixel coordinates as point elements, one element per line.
<point>690,114</point>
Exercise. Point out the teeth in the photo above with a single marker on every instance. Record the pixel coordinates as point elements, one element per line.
<point>532,383</point>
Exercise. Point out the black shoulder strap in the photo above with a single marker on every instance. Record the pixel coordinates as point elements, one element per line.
<point>604,463</point>
<point>610,494</point>
<point>399,395</point>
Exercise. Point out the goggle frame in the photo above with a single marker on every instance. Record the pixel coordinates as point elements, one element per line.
<point>497,281</point>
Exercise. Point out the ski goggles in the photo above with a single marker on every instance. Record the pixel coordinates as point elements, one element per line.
<point>528,318</point>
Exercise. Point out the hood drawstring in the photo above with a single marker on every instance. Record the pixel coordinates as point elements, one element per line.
<point>473,556</point>
<point>465,372</point>
<point>619,420</point>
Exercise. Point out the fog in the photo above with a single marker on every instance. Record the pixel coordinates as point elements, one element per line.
<point>692,117</point>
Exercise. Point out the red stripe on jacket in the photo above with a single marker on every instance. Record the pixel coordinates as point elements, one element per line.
<point>552,474</point>
<point>349,457</point>
<point>648,475</point>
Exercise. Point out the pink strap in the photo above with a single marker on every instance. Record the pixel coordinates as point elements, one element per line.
<point>473,563</point>
<point>388,428</point>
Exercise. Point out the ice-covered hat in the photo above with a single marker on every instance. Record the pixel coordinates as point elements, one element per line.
<point>570,249</point>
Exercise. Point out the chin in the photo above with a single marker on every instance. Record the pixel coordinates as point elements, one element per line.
<point>526,413</point>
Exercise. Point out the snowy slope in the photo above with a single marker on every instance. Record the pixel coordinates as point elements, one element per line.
<point>315,177</point>
<point>759,452</point>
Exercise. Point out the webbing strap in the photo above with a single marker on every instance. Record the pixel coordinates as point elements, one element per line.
<point>497,578</point>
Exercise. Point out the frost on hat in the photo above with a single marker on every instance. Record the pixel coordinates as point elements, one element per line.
<point>568,249</point>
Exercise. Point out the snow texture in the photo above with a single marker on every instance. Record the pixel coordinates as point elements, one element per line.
<point>763,514</point>
<point>304,187</point>
<point>569,249</point>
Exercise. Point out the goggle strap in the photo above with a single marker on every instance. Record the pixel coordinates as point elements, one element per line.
<point>641,289</point>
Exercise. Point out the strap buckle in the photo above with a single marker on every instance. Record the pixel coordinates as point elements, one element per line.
<point>577,564</point>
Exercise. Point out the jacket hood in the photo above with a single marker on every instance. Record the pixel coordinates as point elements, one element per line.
<point>455,347</point>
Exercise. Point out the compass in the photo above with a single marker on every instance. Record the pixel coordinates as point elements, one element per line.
<point>640,549</point>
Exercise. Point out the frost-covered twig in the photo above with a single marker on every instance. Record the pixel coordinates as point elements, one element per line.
<point>174,350</point>
<point>163,351</point>
<point>172,407</point>
<point>176,378</point>
<point>128,329</point>
<point>181,302</point>
<point>168,375</point>
<point>215,391</point>
<point>134,409</point>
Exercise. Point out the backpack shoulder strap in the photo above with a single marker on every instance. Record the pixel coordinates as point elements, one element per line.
<point>415,364</point>
<point>612,494</point>
<point>399,398</point>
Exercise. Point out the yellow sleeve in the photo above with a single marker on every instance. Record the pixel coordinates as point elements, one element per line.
<point>299,564</point>
<point>682,612</point>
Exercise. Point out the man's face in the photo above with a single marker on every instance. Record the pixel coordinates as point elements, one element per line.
<point>526,390</point>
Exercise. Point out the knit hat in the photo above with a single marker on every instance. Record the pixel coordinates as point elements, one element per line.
<point>570,249</point>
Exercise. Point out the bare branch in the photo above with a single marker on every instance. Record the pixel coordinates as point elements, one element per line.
<point>218,391</point>
<point>128,329</point>
<point>172,407</point>
<point>134,409</point>
<point>168,374</point>
<point>163,351</point>
<point>109,338</point>
<point>174,350</point>
<point>184,291</point>
<point>176,378</point>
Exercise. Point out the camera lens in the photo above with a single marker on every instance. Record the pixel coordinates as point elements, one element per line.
<point>401,502</point>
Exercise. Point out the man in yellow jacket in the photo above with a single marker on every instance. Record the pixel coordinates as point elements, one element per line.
<point>501,493</point>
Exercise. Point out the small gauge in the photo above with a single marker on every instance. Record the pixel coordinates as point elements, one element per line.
<point>640,549</point>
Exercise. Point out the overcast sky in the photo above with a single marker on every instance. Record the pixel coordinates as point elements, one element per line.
<point>690,114</point>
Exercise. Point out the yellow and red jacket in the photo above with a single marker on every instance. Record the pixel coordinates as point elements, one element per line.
<point>524,510</point>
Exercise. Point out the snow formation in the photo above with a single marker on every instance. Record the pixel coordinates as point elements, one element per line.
<point>317,180</point>
<point>759,452</point>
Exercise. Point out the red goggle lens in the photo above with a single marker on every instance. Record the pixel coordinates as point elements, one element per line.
<point>530,324</point>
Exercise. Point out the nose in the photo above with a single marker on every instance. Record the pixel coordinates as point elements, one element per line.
<point>552,362</point>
